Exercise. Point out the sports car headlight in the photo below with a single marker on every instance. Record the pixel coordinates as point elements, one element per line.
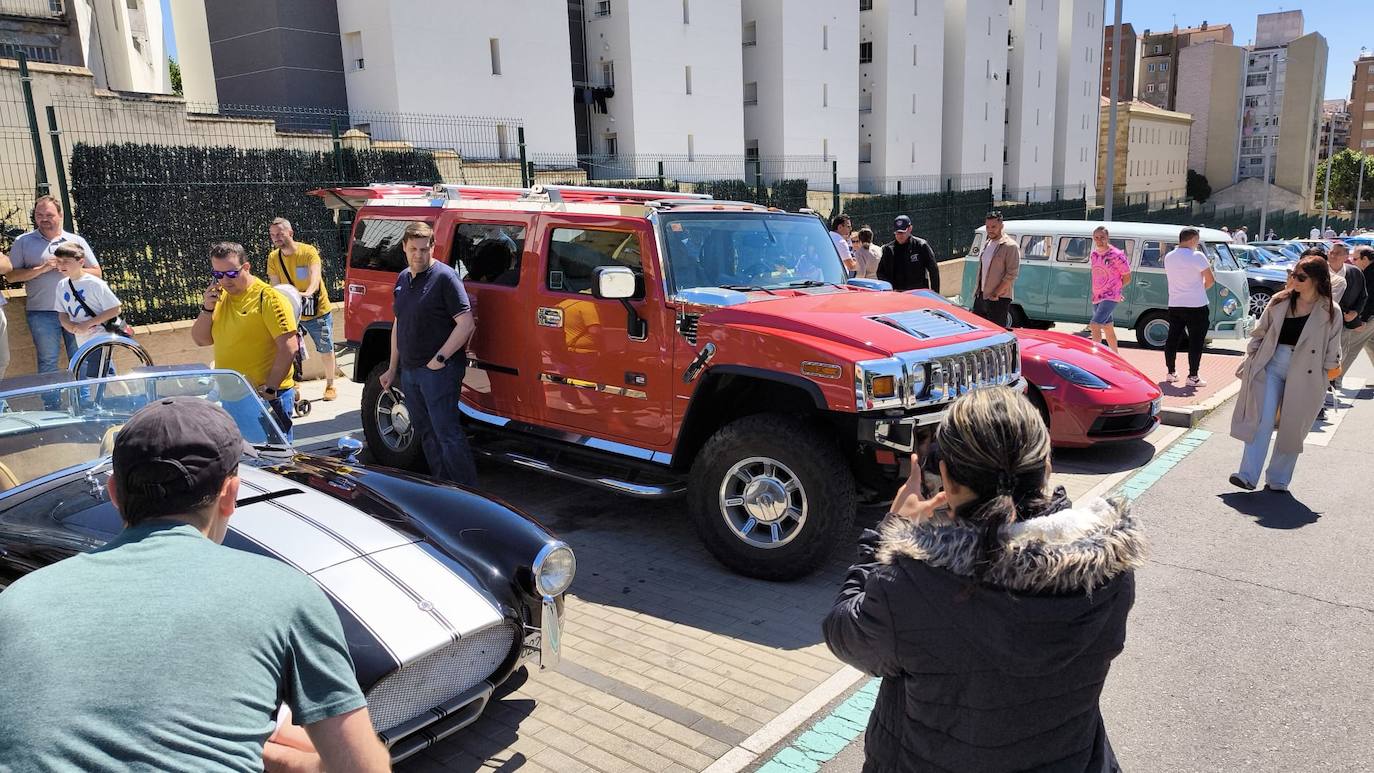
<point>554,568</point>
<point>1230,306</point>
<point>1076,375</point>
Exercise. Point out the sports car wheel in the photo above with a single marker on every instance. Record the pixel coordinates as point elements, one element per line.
<point>1152,330</point>
<point>770,496</point>
<point>1259,300</point>
<point>391,438</point>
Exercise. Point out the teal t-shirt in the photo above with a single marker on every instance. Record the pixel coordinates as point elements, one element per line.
<point>164,651</point>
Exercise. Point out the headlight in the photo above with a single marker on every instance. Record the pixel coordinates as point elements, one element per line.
<point>1230,306</point>
<point>1076,375</point>
<point>554,568</point>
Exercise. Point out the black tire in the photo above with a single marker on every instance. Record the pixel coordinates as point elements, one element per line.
<point>799,452</point>
<point>385,449</point>
<point>1038,400</point>
<point>1020,319</point>
<point>1147,326</point>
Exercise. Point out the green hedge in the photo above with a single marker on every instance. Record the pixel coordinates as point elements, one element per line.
<point>945,219</point>
<point>151,211</point>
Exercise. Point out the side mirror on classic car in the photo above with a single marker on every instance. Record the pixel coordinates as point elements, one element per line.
<point>617,283</point>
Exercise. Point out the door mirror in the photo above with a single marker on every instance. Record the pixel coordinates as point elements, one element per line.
<point>613,282</point>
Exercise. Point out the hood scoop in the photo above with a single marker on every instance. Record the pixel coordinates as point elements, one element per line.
<point>925,323</point>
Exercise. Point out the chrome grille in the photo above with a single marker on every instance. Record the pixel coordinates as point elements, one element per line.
<point>438,677</point>
<point>952,375</point>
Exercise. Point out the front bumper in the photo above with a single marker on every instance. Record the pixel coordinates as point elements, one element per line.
<point>895,431</point>
<point>1233,329</point>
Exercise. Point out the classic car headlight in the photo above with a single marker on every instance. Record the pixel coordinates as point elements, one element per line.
<point>1076,375</point>
<point>1230,306</point>
<point>554,568</point>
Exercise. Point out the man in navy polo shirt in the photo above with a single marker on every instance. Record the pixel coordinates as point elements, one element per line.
<point>433,325</point>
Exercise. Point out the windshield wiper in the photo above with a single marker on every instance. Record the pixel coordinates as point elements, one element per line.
<point>284,449</point>
<point>811,283</point>
<point>747,288</point>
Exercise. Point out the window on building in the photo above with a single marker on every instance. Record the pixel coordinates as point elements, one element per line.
<point>1163,66</point>
<point>687,74</point>
<point>608,73</point>
<point>1368,125</point>
<point>1039,78</point>
<point>612,145</point>
<point>1149,88</point>
<point>915,7</point>
<point>866,52</point>
<point>353,50</point>
<point>825,95</point>
<point>132,5</point>
<point>751,153</point>
<point>1006,153</point>
<point>865,5</point>
<point>691,147</point>
<point>914,60</point>
<point>502,142</point>
<point>686,12</point>
<point>488,253</point>
<point>1150,67</point>
<point>866,102</point>
<point>1042,41</point>
<point>1037,116</point>
<point>1257,79</point>
<point>825,37</point>
<point>1163,87</point>
<point>495,45</point>
<point>751,33</point>
<point>825,148</point>
<point>1159,49</point>
<point>865,153</point>
<point>576,253</point>
<point>751,93</point>
<point>603,7</point>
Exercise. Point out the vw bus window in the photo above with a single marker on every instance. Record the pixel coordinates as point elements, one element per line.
<point>1036,247</point>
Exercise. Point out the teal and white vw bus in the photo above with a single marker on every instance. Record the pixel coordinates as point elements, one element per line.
<point>1055,283</point>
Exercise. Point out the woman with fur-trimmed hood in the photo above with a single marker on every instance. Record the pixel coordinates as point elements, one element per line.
<point>992,610</point>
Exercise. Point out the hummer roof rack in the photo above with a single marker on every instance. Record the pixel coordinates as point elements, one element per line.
<point>433,195</point>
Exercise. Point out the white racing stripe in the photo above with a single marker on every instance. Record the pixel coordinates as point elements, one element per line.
<point>465,609</point>
<point>390,612</point>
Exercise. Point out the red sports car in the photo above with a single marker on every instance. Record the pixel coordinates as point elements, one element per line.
<point>1087,394</point>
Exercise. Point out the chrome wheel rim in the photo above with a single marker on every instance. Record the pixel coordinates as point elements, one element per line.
<point>393,420</point>
<point>1157,332</point>
<point>763,502</point>
<point>1258,302</point>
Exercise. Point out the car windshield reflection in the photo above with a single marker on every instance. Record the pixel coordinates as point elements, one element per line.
<point>750,250</point>
<point>45,430</point>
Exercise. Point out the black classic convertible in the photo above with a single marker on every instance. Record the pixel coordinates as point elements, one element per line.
<point>443,593</point>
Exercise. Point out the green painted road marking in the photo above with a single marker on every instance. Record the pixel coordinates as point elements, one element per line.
<point>1150,474</point>
<point>828,737</point>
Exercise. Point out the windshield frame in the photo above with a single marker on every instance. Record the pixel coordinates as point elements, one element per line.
<point>662,221</point>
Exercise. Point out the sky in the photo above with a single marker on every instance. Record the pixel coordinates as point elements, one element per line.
<point>1343,37</point>
<point>1332,18</point>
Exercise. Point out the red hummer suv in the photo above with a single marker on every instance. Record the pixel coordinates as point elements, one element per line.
<point>658,344</point>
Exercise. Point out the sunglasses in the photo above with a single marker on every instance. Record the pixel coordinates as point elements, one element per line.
<point>226,274</point>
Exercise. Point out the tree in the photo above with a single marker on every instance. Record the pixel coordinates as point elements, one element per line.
<point>1345,178</point>
<point>1198,189</point>
<point>174,70</point>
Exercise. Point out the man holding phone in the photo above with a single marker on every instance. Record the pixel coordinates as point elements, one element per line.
<point>253,329</point>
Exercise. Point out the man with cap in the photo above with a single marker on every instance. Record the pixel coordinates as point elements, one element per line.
<point>908,262</point>
<point>999,262</point>
<point>166,650</point>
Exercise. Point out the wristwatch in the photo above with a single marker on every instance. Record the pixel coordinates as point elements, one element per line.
<point>440,358</point>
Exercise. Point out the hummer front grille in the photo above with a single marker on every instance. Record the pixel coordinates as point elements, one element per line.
<point>952,375</point>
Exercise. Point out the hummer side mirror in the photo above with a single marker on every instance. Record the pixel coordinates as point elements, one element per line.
<point>617,283</point>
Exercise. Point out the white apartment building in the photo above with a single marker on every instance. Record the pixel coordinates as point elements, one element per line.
<point>799,73</point>
<point>901,91</point>
<point>122,44</point>
<point>676,68</point>
<point>1078,83</point>
<point>975,93</point>
<point>505,60</point>
<point>1032,86</point>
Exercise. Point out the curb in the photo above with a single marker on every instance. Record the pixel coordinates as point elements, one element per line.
<point>1191,415</point>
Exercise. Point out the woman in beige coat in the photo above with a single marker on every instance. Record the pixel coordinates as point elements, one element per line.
<point>1297,340</point>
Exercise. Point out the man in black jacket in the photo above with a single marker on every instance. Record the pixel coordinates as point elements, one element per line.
<point>1361,336</point>
<point>1352,300</point>
<point>908,262</point>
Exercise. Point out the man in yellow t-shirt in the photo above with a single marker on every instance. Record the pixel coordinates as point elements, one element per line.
<point>298,265</point>
<point>253,330</point>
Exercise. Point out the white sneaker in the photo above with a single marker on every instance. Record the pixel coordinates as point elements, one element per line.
<point>1172,378</point>
<point>1196,381</point>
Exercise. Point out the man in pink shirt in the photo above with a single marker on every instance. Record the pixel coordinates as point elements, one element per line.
<point>1111,272</point>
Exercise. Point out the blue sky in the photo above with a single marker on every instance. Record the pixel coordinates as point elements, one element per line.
<point>1343,34</point>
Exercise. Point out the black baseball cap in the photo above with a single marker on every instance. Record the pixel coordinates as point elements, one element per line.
<point>901,223</point>
<point>174,453</point>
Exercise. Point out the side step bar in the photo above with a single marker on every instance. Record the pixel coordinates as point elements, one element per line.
<point>661,490</point>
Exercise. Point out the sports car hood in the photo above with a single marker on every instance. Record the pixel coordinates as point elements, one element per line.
<point>1038,347</point>
<point>881,322</point>
<point>404,591</point>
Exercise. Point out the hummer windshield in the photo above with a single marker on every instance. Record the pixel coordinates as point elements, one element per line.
<point>749,251</point>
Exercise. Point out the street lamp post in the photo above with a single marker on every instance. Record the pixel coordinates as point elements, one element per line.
<point>1359,190</point>
<point>1266,143</point>
<point>1326,186</point>
<point>1111,114</point>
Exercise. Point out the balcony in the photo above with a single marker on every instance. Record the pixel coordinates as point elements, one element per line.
<point>34,9</point>
<point>865,103</point>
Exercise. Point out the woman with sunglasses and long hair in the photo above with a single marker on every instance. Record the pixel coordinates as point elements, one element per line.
<point>993,609</point>
<point>1285,372</point>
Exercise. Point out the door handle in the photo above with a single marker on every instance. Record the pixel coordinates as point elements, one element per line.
<point>356,289</point>
<point>1143,284</point>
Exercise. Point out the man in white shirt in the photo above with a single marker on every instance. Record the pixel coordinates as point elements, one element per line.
<point>1316,233</point>
<point>840,228</point>
<point>1189,274</point>
<point>1240,236</point>
<point>1329,233</point>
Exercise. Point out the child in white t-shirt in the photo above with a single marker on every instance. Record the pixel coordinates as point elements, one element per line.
<point>84,302</point>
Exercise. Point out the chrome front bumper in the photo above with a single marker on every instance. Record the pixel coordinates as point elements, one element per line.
<point>545,642</point>
<point>898,433</point>
<point>1233,330</point>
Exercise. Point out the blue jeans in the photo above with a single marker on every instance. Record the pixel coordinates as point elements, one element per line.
<point>432,399</point>
<point>1280,464</point>
<point>248,411</point>
<point>48,339</point>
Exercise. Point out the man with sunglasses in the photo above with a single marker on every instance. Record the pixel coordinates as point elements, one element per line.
<point>253,329</point>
